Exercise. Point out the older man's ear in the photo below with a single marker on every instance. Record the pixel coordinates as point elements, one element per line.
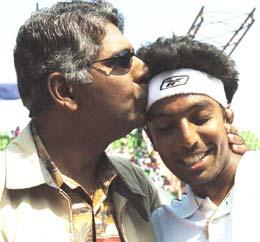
<point>62,92</point>
<point>236,142</point>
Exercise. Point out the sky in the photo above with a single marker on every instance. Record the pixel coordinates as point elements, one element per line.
<point>144,22</point>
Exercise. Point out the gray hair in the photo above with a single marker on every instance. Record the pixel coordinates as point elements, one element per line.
<point>65,38</point>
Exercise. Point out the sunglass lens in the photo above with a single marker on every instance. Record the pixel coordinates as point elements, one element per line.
<point>124,59</point>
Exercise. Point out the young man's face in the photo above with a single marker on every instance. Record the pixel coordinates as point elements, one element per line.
<point>188,132</point>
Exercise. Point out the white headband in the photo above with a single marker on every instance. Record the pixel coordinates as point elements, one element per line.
<point>173,82</point>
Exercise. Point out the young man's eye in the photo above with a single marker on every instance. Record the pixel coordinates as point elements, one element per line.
<point>164,129</point>
<point>200,120</point>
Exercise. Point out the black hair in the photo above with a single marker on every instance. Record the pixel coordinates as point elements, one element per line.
<point>183,52</point>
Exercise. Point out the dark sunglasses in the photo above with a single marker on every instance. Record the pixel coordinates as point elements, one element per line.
<point>121,60</point>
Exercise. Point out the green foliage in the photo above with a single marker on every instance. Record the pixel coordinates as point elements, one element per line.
<point>251,139</point>
<point>133,144</point>
<point>4,141</point>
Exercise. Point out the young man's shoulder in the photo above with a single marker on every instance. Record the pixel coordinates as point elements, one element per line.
<point>174,210</point>
<point>248,164</point>
<point>246,199</point>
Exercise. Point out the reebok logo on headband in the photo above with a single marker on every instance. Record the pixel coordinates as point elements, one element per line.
<point>185,81</point>
<point>174,81</point>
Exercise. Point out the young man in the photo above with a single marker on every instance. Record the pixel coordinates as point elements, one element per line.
<point>189,94</point>
<point>84,87</point>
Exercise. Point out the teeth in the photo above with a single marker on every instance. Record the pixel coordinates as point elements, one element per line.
<point>193,159</point>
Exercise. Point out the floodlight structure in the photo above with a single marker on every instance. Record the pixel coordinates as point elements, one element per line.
<point>230,43</point>
<point>196,24</point>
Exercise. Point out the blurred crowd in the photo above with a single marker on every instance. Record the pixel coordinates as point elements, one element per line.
<point>139,150</point>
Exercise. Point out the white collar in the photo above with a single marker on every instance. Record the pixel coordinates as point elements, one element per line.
<point>190,203</point>
<point>186,206</point>
<point>23,167</point>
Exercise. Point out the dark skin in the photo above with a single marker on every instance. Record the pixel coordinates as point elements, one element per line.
<point>85,119</point>
<point>201,157</point>
<point>236,142</point>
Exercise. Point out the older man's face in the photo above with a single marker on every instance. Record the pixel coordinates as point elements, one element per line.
<point>118,92</point>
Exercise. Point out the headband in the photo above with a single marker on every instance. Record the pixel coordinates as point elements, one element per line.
<point>185,81</point>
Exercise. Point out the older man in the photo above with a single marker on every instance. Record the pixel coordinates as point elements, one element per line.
<point>84,87</point>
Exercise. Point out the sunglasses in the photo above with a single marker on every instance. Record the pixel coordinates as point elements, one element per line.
<point>120,60</point>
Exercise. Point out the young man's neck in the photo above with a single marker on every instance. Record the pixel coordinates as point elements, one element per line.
<point>219,188</point>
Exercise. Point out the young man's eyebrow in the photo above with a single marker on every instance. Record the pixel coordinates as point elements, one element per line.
<point>201,106</point>
<point>198,106</point>
<point>151,116</point>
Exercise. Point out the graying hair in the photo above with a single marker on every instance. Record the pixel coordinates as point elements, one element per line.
<point>65,38</point>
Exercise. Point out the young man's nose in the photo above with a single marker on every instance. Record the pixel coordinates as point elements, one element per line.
<point>187,135</point>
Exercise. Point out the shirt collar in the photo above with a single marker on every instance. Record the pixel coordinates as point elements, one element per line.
<point>190,203</point>
<point>187,205</point>
<point>56,176</point>
<point>29,164</point>
<point>23,167</point>
<point>25,170</point>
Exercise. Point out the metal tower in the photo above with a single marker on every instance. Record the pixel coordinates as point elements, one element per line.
<point>236,34</point>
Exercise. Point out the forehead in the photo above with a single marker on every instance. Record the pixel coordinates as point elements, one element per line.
<point>182,104</point>
<point>113,42</point>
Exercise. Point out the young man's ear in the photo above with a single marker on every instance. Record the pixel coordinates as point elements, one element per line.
<point>61,91</point>
<point>228,115</point>
<point>236,142</point>
<point>148,132</point>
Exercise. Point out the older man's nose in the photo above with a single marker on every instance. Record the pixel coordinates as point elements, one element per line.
<point>140,70</point>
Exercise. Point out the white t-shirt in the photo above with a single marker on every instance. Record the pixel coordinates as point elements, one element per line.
<point>193,219</point>
<point>235,219</point>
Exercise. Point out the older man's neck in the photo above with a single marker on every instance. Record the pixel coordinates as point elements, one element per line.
<point>75,153</point>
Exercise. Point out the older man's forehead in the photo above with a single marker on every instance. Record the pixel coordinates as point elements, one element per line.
<point>113,42</point>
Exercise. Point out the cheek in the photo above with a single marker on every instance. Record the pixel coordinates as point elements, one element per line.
<point>217,138</point>
<point>159,143</point>
<point>214,133</point>
<point>120,95</point>
<point>167,151</point>
<point>119,85</point>
<point>172,165</point>
<point>162,142</point>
